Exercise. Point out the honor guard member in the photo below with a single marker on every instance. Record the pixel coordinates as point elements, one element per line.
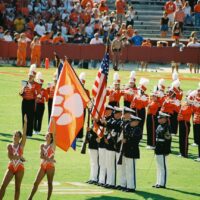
<point>41,98</point>
<point>102,148</point>
<point>110,139</point>
<point>121,168</point>
<point>116,48</point>
<point>178,97</point>
<point>130,91</point>
<point>28,93</point>
<point>184,116</point>
<point>115,94</point>
<point>133,135</point>
<point>91,138</point>
<point>50,90</point>
<point>196,121</point>
<point>82,78</point>
<point>163,149</point>
<point>151,123</point>
<point>140,101</point>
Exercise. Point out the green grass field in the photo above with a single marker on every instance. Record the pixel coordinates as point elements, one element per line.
<point>72,168</point>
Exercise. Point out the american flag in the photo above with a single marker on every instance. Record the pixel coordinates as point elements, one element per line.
<point>99,88</point>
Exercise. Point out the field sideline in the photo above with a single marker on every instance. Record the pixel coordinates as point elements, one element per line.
<point>72,168</point>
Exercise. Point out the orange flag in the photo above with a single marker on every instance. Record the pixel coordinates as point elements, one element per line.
<point>69,102</point>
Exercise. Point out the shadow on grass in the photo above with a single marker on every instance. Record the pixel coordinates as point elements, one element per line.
<point>37,139</point>
<point>144,195</point>
<point>6,135</point>
<point>104,197</point>
<point>184,192</point>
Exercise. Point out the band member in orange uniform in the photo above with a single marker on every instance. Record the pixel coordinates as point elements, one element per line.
<point>35,51</point>
<point>151,123</point>
<point>16,166</point>
<point>28,93</point>
<point>178,97</point>
<point>41,98</point>
<point>21,50</point>
<point>130,91</point>
<point>47,153</point>
<point>50,91</point>
<point>196,122</point>
<point>184,116</point>
<point>115,94</point>
<point>140,101</point>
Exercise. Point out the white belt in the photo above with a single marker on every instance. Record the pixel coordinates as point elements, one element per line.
<point>160,140</point>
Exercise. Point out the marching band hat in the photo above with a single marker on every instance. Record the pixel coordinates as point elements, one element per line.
<point>163,115</point>
<point>132,77</point>
<point>118,109</point>
<point>127,109</point>
<point>116,78</point>
<point>32,70</point>
<point>143,83</point>
<point>161,85</point>
<point>135,118</point>
<point>108,107</point>
<point>175,76</point>
<point>198,89</point>
<point>82,77</point>
<point>39,78</point>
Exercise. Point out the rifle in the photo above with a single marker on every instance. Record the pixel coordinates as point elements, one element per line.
<point>119,162</point>
<point>84,145</point>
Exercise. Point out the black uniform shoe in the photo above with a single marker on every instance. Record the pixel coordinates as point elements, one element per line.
<point>95,182</point>
<point>161,186</point>
<point>123,188</point>
<point>118,187</point>
<point>89,182</point>
<point>156,186</point>
<point>130,190</point>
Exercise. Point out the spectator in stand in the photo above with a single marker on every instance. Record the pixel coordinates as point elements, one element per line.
<point>164,25</point>
<point>106,27</point>
<point>197,13</point>
<point>179,17</point>
<point>85,2</point>
<point>180,45</point>
<point>112,17</point>
<point>39,29</point>
<point>7,37</point>
<point>58,39</point>
<point>103,6</point>
<point>45,38</point>
<point>79,37</point>
<point>129,31</point>
<point>144,64</point>
<point>176,31</point>
<point>170,8</point>
<point>193,43</point>
<point>113,31</point>
<point>21,50</point>
<point>19,24</point>
<point>178,3</point>
<point>137,39</point>
<point>130,16</point>
<point>120,10</point>
<point>94,41</point>
<point>188,17</point>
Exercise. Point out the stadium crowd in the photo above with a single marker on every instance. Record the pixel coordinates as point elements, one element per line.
<point>60,21</point>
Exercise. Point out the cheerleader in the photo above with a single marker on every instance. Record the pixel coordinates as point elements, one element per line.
<point>15,166</point>
<point>47,152</point>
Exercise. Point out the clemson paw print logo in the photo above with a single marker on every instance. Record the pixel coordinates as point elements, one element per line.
<point>67,105</point>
